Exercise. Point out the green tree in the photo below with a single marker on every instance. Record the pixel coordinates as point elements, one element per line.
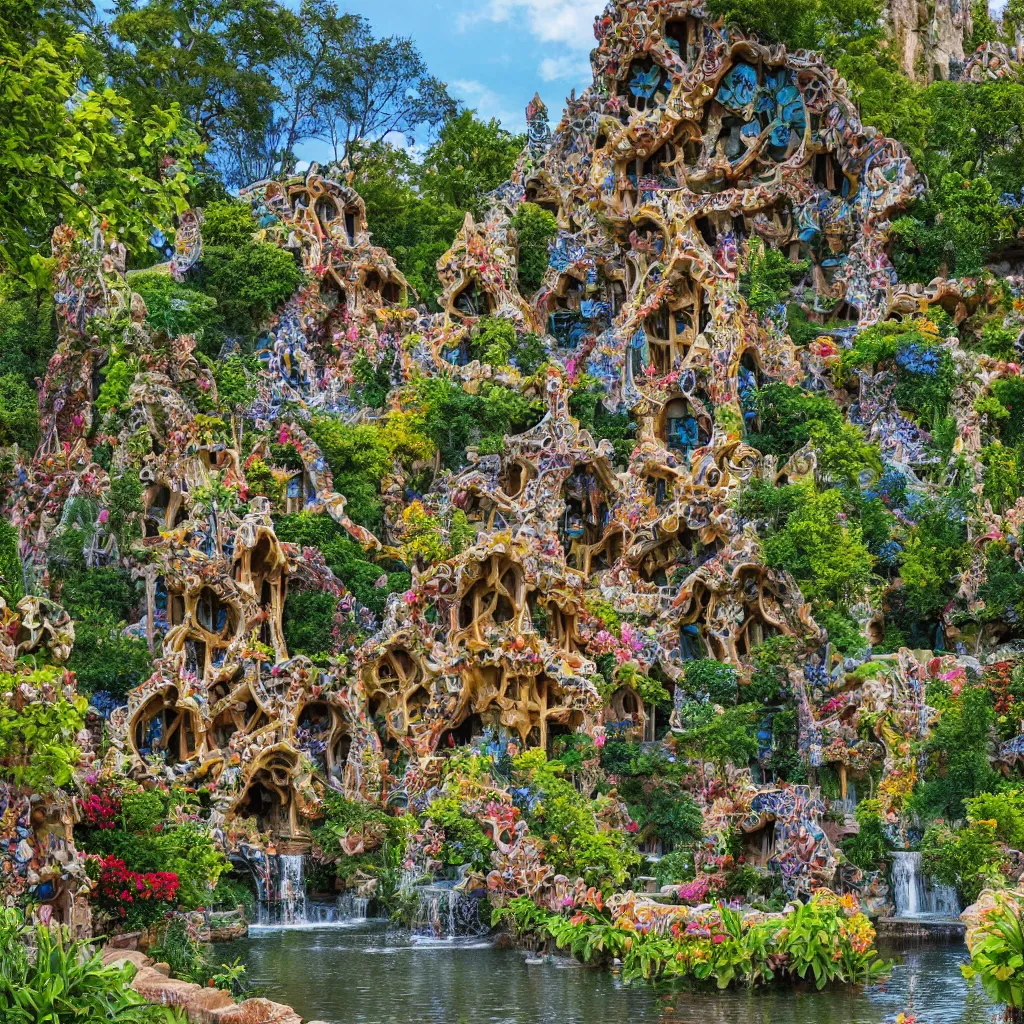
<point>469,159</point>
<point>228,222</point>
<point>177,309</point>
<point>724,738</point>
<point>985,30</point>
<point>212,58</point>
<point>824,551</point>
<point>803,24</point>
<point>718,681</point>
<point>958,752</point>
<point>105,658</point>
<point>535,228</point>
<point>934,552</point>
<point>957,228</point>
<point>37,742</point>
<point>248,282</point>
<point>785,415</point>
<point>28,334</point>
<point>309,622</point>
<point>767,276</point>
<point>19,413</point>
<point>454,419</point>
<point>72,154</point>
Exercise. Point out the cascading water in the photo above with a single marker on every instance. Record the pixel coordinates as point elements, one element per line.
<point>291,892</point>
<point>444,912</point>
<point>291,908</point>
<point>353,908</point>
<point>917,896</point>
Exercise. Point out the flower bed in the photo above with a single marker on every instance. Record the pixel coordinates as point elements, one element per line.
<point>827,940</point>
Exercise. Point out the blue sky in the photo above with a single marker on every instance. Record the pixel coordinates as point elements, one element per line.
<point>494,54</point>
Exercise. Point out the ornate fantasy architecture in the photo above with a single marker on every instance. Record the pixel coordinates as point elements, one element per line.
<point>569,585</point>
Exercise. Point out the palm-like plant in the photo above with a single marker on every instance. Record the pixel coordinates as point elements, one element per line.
<point>997,953</point>
<point>48,977</point>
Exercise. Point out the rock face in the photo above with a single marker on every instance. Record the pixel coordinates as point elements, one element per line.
<point>930,37</point>
<point>201,1005</point>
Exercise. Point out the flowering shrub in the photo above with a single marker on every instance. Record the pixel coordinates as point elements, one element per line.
<point>100,810</point>
<point>693,892</point>
<point>136,898</point>
<point>827,940</point>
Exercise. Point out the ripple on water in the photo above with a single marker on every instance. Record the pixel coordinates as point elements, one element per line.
<point>364,976</point>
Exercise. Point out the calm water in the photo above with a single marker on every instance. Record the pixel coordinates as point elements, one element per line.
<point>361,975</point>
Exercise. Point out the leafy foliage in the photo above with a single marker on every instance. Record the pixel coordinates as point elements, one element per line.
<point>72,155</point>
<point>535,228</point>
<point>65,979</point>
<point>37,740</point>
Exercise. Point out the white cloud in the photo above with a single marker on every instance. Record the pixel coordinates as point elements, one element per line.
<point>486,102</point>
<point>396,139</point>
<point>566,22</point>
<point>571,66</point>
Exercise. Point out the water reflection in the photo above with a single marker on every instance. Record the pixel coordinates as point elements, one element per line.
<point>363,975</point>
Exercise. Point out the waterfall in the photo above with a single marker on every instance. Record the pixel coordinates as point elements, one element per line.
<point>291,889</point>
<point>352,907</point>
<point>444,912</point>
<point>291,908</point>
<point>917,896</point>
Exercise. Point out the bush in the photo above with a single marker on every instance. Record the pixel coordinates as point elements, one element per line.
<point>970,859</point>
<point>19,413</point>
<point>768,276</point>
<point>869,848</point>
<point>997,954</point>
<point>146,844</point>
<point>723,738</point>
<point>958,752</point>
<point>814,940</point>
<point>652,788</point>
<point>674,867</point>
<point>535,228</point>
<point>177,309</point>
<point>716,680</point>
<point>37,743</point>
<point>1005,809</point>
<point>464,840</point>
<point>103,589</point>
<point>106,658</point>
<point>454,419</point>
<point>574,846</point>
<point>28,336</point>
<point>249,282</point>
<point>360,456</point>
<point>137,899</point>
<point>64,979</point>
<point>309,622</point>
<point>11,585</point>
<point>346,558</point>
<point>228,222</point>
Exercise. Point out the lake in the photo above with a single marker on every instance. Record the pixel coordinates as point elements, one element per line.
<point>362,973</point>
